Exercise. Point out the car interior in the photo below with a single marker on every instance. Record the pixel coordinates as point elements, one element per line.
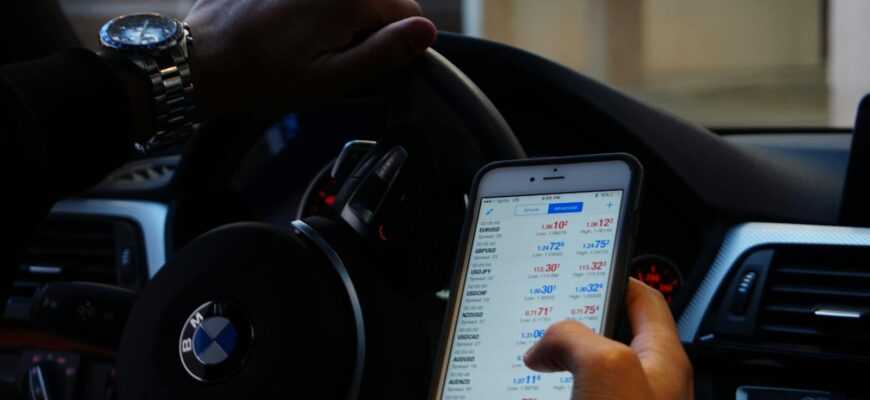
<point>755,233</point>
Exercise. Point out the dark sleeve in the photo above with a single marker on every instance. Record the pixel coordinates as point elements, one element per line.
<point>39,27</point>
<point>64,124</point>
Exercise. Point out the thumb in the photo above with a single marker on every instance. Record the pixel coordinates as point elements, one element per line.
<point>566,346</point>
<point>602,368</point>
<point>391,47</point>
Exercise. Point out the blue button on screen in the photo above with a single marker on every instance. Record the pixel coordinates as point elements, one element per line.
<point>565,208</point>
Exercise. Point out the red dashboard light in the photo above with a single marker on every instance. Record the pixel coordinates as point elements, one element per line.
<point>658,273</point>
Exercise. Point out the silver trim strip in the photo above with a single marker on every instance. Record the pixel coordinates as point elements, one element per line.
<point>829,312</point>
<point>44,270</point>
<point>150,216</point>
<point>38,391</point>
<point>746,236</point>
<point>336,261</point>
<point>743,392</point>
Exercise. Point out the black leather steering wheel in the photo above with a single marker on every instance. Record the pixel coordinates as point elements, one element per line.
<point>250,310</point>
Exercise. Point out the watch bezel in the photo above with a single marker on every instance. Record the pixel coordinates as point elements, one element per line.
<point>107,41</point>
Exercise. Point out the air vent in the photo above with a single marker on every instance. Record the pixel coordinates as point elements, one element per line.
<point>147,173</point>
<point>82,248</point>
<point>817,297</point>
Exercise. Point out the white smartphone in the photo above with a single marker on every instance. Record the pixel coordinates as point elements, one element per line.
<point>546,240</point>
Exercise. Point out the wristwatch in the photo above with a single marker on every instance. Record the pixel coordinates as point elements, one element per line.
<point>158,47</point>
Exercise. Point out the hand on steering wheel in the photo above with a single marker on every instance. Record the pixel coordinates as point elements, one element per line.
<point>271,56</point>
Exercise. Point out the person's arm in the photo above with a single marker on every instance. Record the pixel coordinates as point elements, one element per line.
<point>67,120</point>
<point>70,117</point>
<point>653,367</point>
<point>34,29</point>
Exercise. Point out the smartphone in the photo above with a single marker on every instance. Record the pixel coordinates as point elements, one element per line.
<point>545,240</point>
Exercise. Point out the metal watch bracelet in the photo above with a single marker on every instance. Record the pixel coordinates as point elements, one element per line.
<point>172,95</point>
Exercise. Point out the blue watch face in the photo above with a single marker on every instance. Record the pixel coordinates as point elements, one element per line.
<point>138,31</point>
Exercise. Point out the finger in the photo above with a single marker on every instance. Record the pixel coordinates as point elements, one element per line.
<point>569,346</point>
<point>648,312</point>
<point>391,47</point>
<point>599,365</point>
<point>655,333</point>
<point>656,341</point>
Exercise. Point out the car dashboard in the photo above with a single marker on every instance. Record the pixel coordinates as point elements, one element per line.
<point>763,301</point>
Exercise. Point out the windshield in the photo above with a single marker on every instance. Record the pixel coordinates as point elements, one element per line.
<point>729,64</point>
<point>722,64</point>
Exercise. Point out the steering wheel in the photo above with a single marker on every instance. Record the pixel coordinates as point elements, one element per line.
<point>250,310</point>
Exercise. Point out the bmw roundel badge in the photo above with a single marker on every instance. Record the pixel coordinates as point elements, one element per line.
<point>214,341</point>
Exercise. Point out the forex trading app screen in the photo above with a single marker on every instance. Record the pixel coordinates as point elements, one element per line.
<point>535,260</point>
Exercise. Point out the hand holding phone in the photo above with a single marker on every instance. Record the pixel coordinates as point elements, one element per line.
<point>654,366</point>
<point>547,240</point>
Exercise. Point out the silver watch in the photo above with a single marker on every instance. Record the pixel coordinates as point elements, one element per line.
<point>159,47</point>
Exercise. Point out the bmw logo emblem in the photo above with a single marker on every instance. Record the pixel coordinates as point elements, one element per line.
<point>214,341</point>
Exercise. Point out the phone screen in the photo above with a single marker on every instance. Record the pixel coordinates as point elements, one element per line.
<point>535,260</point>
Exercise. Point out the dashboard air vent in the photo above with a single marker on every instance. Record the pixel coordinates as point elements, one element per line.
<point>147,173</point>
<point>817,297</point>
<point>82,248</point>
